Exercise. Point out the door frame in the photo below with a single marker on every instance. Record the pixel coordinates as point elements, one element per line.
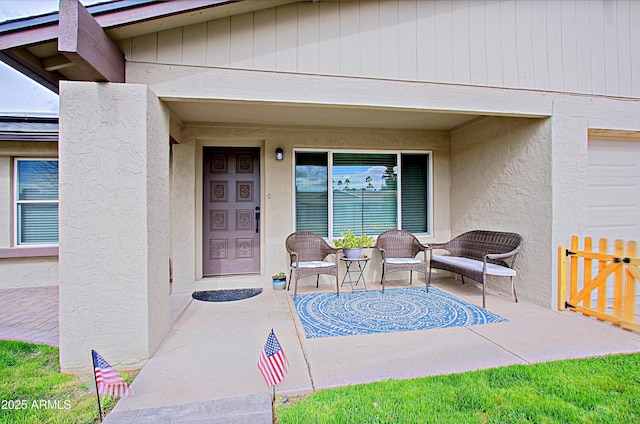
<point>201,143</point>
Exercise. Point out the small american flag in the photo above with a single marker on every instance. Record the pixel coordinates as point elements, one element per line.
<point>273,363</point>
<point>108,380</point>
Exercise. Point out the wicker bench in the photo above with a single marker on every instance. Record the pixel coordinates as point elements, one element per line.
<point>477,254</point>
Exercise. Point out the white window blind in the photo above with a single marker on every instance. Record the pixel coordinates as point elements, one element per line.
<point>365,193</point>
<point>36,201</point>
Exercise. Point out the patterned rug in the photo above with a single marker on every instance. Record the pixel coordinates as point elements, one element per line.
<point>404,309</point>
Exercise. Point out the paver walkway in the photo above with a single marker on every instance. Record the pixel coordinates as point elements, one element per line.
<point>30,314</point>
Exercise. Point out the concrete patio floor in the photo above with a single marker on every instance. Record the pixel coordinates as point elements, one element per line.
<point>206,368</point>
<point>211,353</point>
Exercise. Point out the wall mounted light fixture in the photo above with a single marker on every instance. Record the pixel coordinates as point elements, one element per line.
<point>279,154</point>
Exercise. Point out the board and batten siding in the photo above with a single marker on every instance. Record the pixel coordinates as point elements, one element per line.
<point>574,46</point>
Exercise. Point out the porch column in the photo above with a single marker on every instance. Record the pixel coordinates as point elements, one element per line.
<point>569,168</point>
<point>183,218</point>
<point>114,223</point>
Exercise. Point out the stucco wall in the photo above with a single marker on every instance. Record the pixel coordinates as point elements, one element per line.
<point>501,180</point>
<point>570,118</point>
<point>114,223</point>
<point>182,216</point>
<point>21,272</point>
<point>277,179</point>
<point>28,272</point>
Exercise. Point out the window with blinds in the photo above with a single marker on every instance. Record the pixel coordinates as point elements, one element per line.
<point>365,193</point>
<point>36,201</point>
<point>369,193</point>
<point>312,193</point>
<point>415,198</point>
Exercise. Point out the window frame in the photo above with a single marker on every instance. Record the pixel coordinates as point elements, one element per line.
<point>16,203</point>
<point>398,153</point>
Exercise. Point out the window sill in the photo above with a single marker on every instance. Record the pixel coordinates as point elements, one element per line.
<point>28,252</point>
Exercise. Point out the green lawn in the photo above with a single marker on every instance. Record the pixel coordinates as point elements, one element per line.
<point>596,390</point>
<point>33,391</point>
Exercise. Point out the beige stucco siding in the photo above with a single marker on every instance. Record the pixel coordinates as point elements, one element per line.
<point>501,180</point>
<point>25,271</point>
<point>114,223</point>
<point>570,117</point>
<point>277,179</point>
<point>28,272</point>
<point>565,46</point>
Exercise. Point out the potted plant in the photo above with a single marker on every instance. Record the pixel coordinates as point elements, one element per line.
<point>352,244</point>
<point>279,280</point>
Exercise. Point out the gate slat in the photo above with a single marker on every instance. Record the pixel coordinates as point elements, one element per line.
<point>562,277</point>
<point>602,288</point>
<point>573,266</point>
<point>630,285</point>
<point>594,255</point>
<point>634,271</point>
<point>617,281</point>
<point>587,270</point>
<point>596,314</point>
<point>627,325</point>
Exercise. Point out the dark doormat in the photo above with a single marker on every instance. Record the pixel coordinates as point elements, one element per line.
<point>225,295</point>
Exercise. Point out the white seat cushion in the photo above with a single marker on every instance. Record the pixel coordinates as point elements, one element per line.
<point>402,261</point>
<point>492,269</point>
<point>313,264</point>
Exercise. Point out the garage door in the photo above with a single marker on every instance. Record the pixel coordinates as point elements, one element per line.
<point>613,193</point>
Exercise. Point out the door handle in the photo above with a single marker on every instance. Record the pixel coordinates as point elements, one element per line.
<point>257,219</point>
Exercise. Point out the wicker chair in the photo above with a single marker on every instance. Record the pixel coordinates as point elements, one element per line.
<point>399,249</point>
<point>307,253</point>
<point>479,253</point>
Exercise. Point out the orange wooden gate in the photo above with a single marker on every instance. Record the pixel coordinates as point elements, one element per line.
<point>610,294</point>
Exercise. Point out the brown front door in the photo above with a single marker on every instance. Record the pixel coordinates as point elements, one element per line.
<point>231,221</point>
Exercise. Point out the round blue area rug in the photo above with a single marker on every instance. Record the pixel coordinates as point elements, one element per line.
<point>225,295</point>
<point>405,309</point>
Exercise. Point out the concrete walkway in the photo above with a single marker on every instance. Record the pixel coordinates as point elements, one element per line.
<point>212,351</point>
<point>206,369</point>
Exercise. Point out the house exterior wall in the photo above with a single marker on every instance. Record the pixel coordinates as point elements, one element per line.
<point>574,46</point>
<point>21,271</point>
<point>114,223</point>
<point>537,70</point>
<point>277,178</point>
<point>571,117</point>
<point>563,161</point>
<point>501,179</point>
<point>574,118</point>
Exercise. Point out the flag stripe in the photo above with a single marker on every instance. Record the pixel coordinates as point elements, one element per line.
<point>273,363</point>
<point>108,380</point>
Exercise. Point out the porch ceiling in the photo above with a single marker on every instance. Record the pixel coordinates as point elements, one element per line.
<point>288,114</point>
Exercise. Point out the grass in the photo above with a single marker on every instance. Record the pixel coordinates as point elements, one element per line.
<point>594,390</point>
<point>32,390</point>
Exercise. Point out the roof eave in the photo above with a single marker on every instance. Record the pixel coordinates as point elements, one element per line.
<point>109,22</point>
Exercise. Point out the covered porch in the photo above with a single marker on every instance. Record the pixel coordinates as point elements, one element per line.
<point>149,138</point>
